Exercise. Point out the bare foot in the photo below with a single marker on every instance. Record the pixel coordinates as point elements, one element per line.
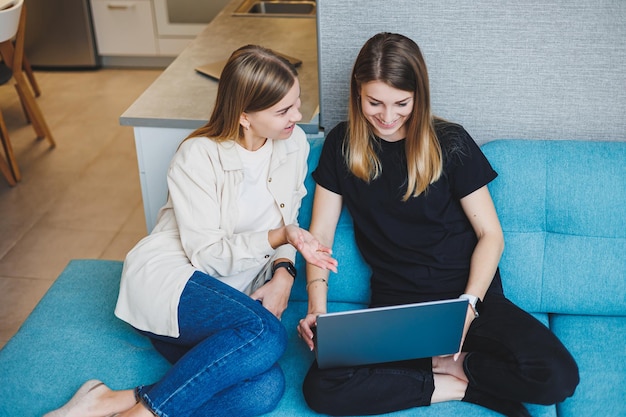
<point>448,366</point>
<point>94,399</point>
<point>448,388</point>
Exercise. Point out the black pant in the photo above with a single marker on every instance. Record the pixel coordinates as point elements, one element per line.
<point>512,358</point>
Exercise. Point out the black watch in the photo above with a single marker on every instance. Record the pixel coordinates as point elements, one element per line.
<point>288,266</point>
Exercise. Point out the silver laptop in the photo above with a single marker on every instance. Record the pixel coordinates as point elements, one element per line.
<point>388,334</point>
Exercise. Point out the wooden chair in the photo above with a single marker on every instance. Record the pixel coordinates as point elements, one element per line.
<point>13,25</point>
<point>31,76</point>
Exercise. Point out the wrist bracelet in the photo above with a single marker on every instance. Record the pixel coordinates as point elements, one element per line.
<point>316,280</point>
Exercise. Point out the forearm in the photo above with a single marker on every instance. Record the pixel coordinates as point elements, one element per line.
<point>326,211</point>
<point>317,288</point>
<point>279,240</point>
<point>220,255</point>
<point>480,211</point>
<point>484,264</point>
<point>277,237</point>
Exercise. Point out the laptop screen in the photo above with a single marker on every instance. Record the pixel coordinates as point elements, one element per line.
<point>388,334</point>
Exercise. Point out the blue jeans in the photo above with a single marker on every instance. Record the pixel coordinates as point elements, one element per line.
<point>225,359</point>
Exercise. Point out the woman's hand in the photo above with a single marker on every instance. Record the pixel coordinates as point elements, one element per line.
<point>305,329</point>
<point>274,295</point>
<point>311,249</point>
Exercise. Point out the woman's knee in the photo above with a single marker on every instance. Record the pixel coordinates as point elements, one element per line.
<point>327,391</point>
<point>254,396</point>
<point>315,391</point>
<point>562,382</point>
<point>268,389</point>
<point>274,335</point>
<point>261,325</point>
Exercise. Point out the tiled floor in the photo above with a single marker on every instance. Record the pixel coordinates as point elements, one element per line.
<point>79,200</point>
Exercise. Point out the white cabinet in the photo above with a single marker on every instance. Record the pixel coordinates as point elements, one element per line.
<point>155,148</point>
<point>124,27</point>
<point>144,28</point>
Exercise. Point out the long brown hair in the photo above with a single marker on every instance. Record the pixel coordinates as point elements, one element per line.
<point>396,61</point>
<point>253,79</point>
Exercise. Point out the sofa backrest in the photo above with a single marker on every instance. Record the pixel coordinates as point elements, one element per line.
<point>351,284</point>
<point>562,205</point>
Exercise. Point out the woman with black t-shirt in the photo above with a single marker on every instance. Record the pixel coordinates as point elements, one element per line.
<point>424,221</point>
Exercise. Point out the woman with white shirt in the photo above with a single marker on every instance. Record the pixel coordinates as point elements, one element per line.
<point>209,284</point>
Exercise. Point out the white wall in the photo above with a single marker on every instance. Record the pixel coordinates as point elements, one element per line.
<point>503,68</point>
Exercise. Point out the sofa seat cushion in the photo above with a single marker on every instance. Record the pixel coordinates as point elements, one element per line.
<point>599,346</point>
<point>72,336</point>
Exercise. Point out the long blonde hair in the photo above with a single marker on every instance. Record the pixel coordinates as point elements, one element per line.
<point>396,61</point>
<point>253,79</point>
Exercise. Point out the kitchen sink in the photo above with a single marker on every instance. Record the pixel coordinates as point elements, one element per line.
<point>276,8</point>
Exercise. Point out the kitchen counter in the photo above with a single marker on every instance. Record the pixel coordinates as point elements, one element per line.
<point>183,98</point>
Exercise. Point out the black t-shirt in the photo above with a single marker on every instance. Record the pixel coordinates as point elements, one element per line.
<point>419,249</point>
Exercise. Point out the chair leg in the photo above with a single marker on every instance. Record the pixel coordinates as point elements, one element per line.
<point>6,172</point>
<point>27,112</point>
<point>34,113</point>
<point>31,76</point>
<point>12,172</point>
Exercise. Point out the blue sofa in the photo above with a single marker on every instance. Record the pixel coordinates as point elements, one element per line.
<point>562,206</point>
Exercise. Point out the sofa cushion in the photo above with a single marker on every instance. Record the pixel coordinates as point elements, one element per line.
<point>564,255</point>
<point>562,205</point>
<point>72,336</point>
<point>599,346</point>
